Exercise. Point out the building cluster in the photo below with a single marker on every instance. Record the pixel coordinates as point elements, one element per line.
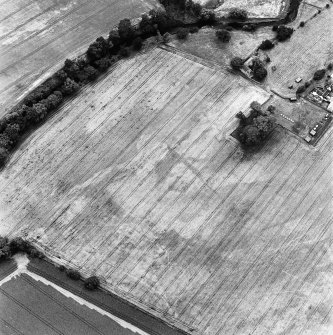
<point>322,124</point>
<point>322,95</point>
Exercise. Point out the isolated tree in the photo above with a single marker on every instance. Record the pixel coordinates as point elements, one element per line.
<point>194,30</point>
<point>71,67</point>
<point>125,30</point>
<point>301,89</point>
<point>146,25</point>
<point>91,72</point>
<point>182,33</point>
<point>265,125</point>
<point>236,63</point>
<point>103,64</point>
<point>241,117</point>
<point>266,45</point>
<point>137,43</point>
<point>207,17</point>
<point>37,113</point>
<point>38,94</point>
<point>61,75</point>
<point>237,14</point>
<point>114,38</point>
<point>3,241</point>
<point>124,52</point>
<point>12,131</point>
<point>5,142</point>
<point>73,274</point>
<point>283,33</point>
<point>223,35</point>
<point>181,4</point>
<point>193,7</point>
<point>319,74</point>
<point>69,87</point>
<point>249,27</point>
<point>297,126</point>
<point>98,49</point>
<point>54,82</point>
<point>250,135</point>
<point>302,24</point>
<point>92,283</point>
<point>15,117</point>
<point>3,155</point>
<point>259,73</point>
<point>255,105</point>
<point>160,19</point>
<point>55,99</point>
<point>17,244</point>
<point>258,68</point>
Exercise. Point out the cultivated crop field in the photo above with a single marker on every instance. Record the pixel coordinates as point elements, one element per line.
<point>309,49</point>
<point>30,307</point>
<point>136,181</point>
<point>37,36</point>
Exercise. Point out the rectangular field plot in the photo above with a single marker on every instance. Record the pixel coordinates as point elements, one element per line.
<point>37,36</point>
<point>135,180</point>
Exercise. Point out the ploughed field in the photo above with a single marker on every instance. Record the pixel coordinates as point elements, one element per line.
<point>37,36</point>
<point>137,181</point>
<point>30,307</point>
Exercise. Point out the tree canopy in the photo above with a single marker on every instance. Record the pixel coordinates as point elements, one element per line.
<point>236,63</point>
<point>238,14</point>
<point>223,35</point>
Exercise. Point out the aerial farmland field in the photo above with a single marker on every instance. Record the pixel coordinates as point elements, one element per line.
<point>37,36</point>
<point>137,181</point>
<point>31,307</point>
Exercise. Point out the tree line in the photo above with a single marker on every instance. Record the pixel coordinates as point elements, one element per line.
<point>8,248</point>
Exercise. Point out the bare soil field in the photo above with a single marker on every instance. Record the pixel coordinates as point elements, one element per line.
<point>37,36</point>
<point>136,181</point>
<point>255,8</point>
<point>206,45</point>
<point>308,49</point>
<point>30,307</point>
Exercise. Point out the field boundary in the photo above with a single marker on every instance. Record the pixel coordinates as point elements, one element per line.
<point>47,268</point>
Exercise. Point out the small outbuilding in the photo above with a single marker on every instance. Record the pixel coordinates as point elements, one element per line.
<point>307,139</point>
<point>330,107</point>
<point>298,80</point>
<point>313,132</point>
